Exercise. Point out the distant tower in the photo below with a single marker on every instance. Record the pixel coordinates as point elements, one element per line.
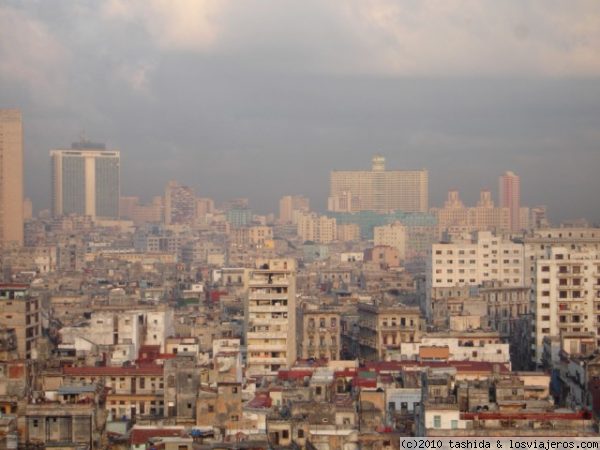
<point>86,181</point>
<point>510,197</point>
<point>11,177</point>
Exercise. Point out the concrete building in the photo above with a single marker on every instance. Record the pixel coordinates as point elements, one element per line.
<point>384,328</point>
<point>383,256</point>
<point>380,190</point>
<point>315,228</point>
<point>510,197</point>
<point>472,260</point>
<point>537,242</point>
<point>393,235</point>
<point>11,177</point>
<point>320,335</point>
<point>290,204</point>
<point>455,216</point>
<point>20,311</point>
<point>565,294</point>
<point>271,317</point>
<point>86,181</point>
<point>180,204</point>
<point>349,232</point>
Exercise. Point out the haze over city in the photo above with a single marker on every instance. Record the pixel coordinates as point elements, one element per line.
<point>262,98</point>
<point>299,225</point>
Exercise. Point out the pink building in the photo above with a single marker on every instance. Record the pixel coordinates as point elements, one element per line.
<point>510,197</point>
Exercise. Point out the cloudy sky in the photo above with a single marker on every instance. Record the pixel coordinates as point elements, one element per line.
<point>261,98</point>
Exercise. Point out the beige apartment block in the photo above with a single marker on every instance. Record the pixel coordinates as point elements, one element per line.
<point>271,317</point>
<point>315,228</point>
<point>320,335</point>
<point>11,177</point>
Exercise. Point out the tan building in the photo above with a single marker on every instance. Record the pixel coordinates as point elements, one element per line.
<point>11,177</point>
<point>204,206</point>
<point>320,335</point>
<point>393,235</point>
<point>379,189</point>
<point>151,213</point>
<point>255,235</point>
<point>291,203</point>
<point>126,205</point>
<point>383,256</point>
<point>384,328</point>
<point>315,228</point>
<point>455,216</point>
<point>348,232</point>
<point>20,311</point>
<point>271,317</point>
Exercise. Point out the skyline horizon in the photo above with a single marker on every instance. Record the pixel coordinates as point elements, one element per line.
<point>146,199</point>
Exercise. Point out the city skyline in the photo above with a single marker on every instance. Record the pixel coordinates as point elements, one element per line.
<point>226,99</point>
<point>299,225</point>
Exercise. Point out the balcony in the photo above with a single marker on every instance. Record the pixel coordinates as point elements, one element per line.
<point>266,335</point>
<point>267,347</point>
<point>266,360</point>
<point>270,296</point>
<point>267,309</point>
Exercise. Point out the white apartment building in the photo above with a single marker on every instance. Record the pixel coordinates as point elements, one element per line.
<point>472,260</point>
<point>565,294</point>
<point>271,317</point>
<point>394,235</point>
<point>537,243</point>
<point>159,326</point>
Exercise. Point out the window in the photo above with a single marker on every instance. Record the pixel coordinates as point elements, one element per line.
<point>437,421</point>
<point>285,434</point>
<point>454,424</point>
<point>301,433</point>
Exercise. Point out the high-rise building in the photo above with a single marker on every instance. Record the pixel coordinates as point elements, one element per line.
<point>271,317</point>
<point>11,177</point>
<point>379,190</point>
<point>180,204</point>
<point>510,197</point>
<point>86,180</point>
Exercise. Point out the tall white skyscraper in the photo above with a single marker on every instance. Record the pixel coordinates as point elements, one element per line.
<point>510,197</point>
<point>86,181</point>
<point>11,177</point>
